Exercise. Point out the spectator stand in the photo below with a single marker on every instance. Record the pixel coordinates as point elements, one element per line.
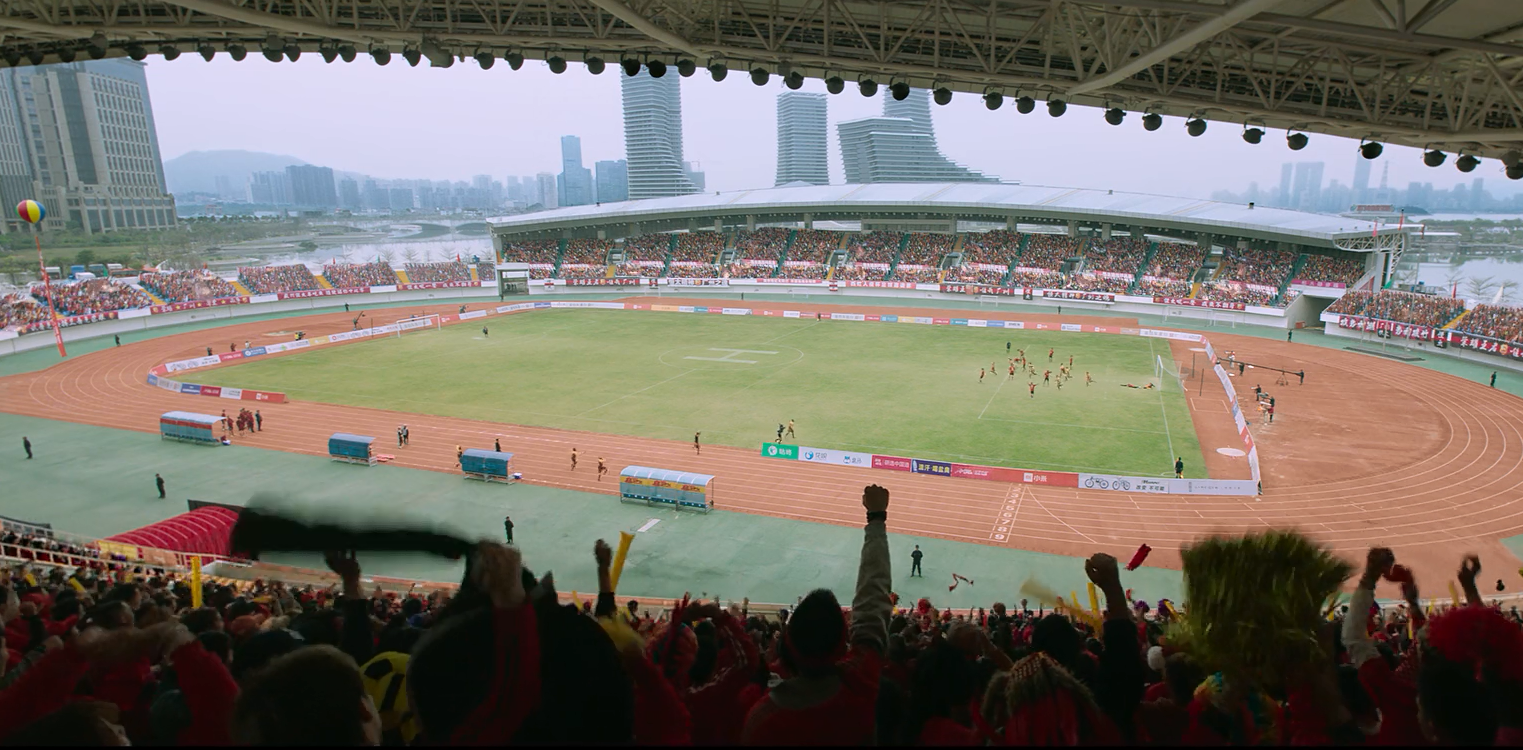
<point>351,449</point>
<point>488,466</point>
<point>189,427</point>
<point>678,489</point>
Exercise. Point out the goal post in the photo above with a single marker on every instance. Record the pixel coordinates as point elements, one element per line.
<point>418,323</point>
<point>1166,374</point>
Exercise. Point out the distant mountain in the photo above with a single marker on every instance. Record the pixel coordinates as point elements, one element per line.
<point>198,171</point>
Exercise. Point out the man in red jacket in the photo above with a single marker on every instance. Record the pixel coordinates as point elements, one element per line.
<point>829,698</point>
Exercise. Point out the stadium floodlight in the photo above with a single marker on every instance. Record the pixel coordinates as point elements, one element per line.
<point>346,53</point>
<point>656,68</point>
<point>1296,141</point>
<point>1515,172</point>
<point>1370,149</point>
<point>437,56</point>
<point>412,56</point>
<point>1025,105</point>
<point>835,84</point>
<point>1115,115</point>
<point>1434,157</point>
<point>137,52</point>
<point>993,100</point>
<point>557,64</point>
<point>381,56</point>
<point>273,50</point>
<point>328,54</point>
<point>595,65</point>
<point>631,66</point>
<point>293,51</point>
<point>485,59</point>
<point>868,87</point>
<point>1056,107</point>
<point>12,57</point>
<point>1253,135</point>
<point>1467,163</point>
<point>237,52</point>
<point>1152,121</point>
<point>36,56</point>
<point>96,46</point>
<point>169,51</point>
<point>65,54</point>
<point>207,52</point>
<point>759,76</point>
<point>942,95</point>
<point>794,80</point>
<point>717,70</point>
<point>515,60</point>
<point>686,68</point>
<point>1195,127</point>
<point>1512,157</point>
<point>900,90</point>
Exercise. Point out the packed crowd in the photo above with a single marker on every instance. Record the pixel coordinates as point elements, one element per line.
<point>184,286</point>
<point>978,273</point>
<point>97,659</point>
<point>1262,266</point>
<point>1176,261</point>
<point>530,251</point>
<point>806,272</point>
<point>422,273</point>
<point>1097,282</point>
<point>1232,291</point>
<point>585,251</point>
<point>996,247</point>
<point>1503,322</point>
<point>1343,270</point>
<point>873,247</point>
<point>917,274</point>
<point>648,269</point>
<point>927,249</point>
<point>762,244</point>
<point>542,270</point>
<point>486,271</point>
<point>355,275</point>
<point>813,245</point>
<point>1154,286</point>
<point>860,272</point>
<point>1035,278</point>
<point>1429,310</point>
<point>698,247</point>
<point>17,309</point>
<point>275,279</point>
<point>1050,250</point>
<point>693,270</point>
<point>581,271</point>
<point>93,296</point>
<point>648,247</point>
<point>752,269</point>
<point>1116,255</point>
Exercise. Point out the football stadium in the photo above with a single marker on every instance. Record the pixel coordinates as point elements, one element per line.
<point>886,462</point>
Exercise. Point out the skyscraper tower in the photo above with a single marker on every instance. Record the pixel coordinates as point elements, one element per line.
<point>900,146</point>
<point>1361,179</point>
<point>575,185</point>
<point>801,139</point>
<point>653,136</point>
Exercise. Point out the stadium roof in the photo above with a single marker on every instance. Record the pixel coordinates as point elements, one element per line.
<point>960,200</point>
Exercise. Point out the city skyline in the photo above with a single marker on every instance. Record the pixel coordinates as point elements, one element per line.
<point>730,127</point>
<point>802,139</point>
<point>899,146</point>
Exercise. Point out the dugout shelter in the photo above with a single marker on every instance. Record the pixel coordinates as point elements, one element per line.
<point>679,489</point>
<point>189,427</point>
<point>489,466</point>
<point>351,449</point>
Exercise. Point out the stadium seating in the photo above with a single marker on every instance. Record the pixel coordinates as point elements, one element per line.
<point>1036,278</point>
<point>17,309</point>
<point>1262,266</point>
<point>454,270</point>
<point>1503,322</point>
<point>996,247</point>
<point>93,296</point>
<point>973,273</point>
<point>354,275</point>
<point>1343,270</point>
<point>581,271</point>
<point>1116,255</point>
<point>276,279</point>
<point>1098,282</point>
<point>1233,291</point>
<point>1049,250</point>
<point>874,247</point>
<point>813,245</point>
<point>647,247</point>
<point>917,274</point>
<point>1429,310</point>
<point>587,252</point>
<point>647,269</point>
<point>861,272</point>
<point>797,271</point>
<point>1174,263</point>
<point>1157,286</point>
<point>530,251</point>
<point>486,271</point>
<point>927,249</point>
<point>763,244</point>
<point>693,270</point>
<point>205,530</point>
<point>698,247</point>
<point>185,286</point>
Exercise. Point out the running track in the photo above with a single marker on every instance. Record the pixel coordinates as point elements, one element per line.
<point>1368,451</point>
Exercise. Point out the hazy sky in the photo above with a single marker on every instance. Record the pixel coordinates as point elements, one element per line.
<point>403,122</point>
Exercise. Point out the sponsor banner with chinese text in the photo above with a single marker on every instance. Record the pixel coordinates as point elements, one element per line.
<point>196,304</point>
<point>939,468</point>
<point>479,314</point>
<point>616,281</point>
<point>736,311</point>
<point>71,320</point>
<point>598,305</point>
<point>190,364</point>
<point>666,308</point>
<point>1328,284</point>
<point>881,284</point>
<point>322,292</point>
<point>1176,335</point>
<point>847,316</point>
<point>1487,345</point>
<point>697,282</point>
<point>1390,327</point>
<point>1215,304</point>
<point>893,463</point>
<point>1071,327</point>
<point>1078,296</point>
<point>779,450</point>
<point>1116,483</point>
<point>955,288</point>
<point>838,458</point>
<point>437,285</point>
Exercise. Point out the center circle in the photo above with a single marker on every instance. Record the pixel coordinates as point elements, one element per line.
<point>730,357</point>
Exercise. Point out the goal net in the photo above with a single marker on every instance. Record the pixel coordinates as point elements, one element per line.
<point>1167,374</point>
<point>418,323</point>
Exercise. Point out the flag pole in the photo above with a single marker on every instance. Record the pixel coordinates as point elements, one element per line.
<point>32,212</point>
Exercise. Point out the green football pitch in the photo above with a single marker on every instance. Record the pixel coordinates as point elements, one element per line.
<point>907,390</point>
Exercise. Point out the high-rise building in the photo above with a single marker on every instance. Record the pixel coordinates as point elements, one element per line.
<point>548,196</point>
<point>270,188</point>
<point>900,146</point>
<point>575,183</point>
<point>349,194</point>
<point>400,199</point>
<point>694,174</point>
<point>613,181</point>
<point>801,139</point>
<point>1287,178</point>
<point>1361,186</point>
<point>311,186</point>
<point>80,138</point>
<point>653,136</point>
<point>1306,193</point>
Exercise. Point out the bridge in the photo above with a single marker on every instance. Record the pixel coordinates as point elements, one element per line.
<point>1439,74</point>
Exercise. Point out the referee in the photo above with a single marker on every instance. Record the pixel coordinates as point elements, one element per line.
<point>1179,467</point>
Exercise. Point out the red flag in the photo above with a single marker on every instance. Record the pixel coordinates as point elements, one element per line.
<point>1142,554</point>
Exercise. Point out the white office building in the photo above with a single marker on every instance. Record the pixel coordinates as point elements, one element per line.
<point>801,139</point>
<point>653,136</point>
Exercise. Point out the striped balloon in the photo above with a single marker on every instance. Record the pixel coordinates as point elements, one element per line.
<point>31,211</point>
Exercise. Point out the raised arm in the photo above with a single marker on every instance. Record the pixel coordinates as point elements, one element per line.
<point>870,606</point>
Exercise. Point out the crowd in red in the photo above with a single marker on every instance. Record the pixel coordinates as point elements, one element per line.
<point>1095,282</point>
<point>813,245</point>
<point>530,251</point>
<point>1429,310</point>
<point>1049,250</point>
<point>996,247</point>
<point>1343,270</point>
<point>102,657</point>
<point>355,275</point>
<point>693,270</point>
<point>649,247</point>
<point>972,273</point>
<point>1176,261</point>
<point>812,271</point>
<point>873,247</point>
<point>917,274</point>
<point>1035,279</point>
<point>860,272</point>
<point>486,271</point>
<point>1232,291</point>
<point>274,279</point>
<point>1116,255</point>
<point>698,247</point>
<point>581,271</point>
<point>646,269</point>
<point>1502,322</point>
<point>185,286</point>
<point>927,249</point>
<point>1262,266</point>
<point>1150,286</point>
<point>454,270</point>
<point>586,251</point>
<point>17,309</point>
<point>93,296</point>
<point>763,244</point>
